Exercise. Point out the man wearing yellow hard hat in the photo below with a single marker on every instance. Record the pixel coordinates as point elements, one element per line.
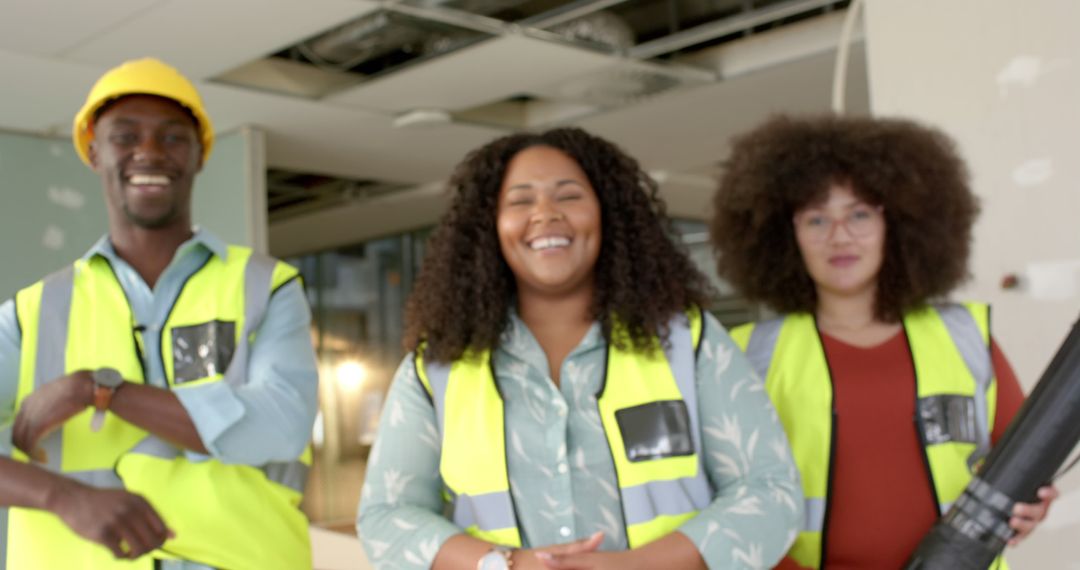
<point>163,386</point>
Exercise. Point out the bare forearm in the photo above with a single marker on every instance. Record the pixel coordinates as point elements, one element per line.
<point>675,551</point>
<point>158,412</point>
<point>29,486</point>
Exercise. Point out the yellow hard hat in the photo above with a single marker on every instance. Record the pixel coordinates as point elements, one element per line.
<point>147,76</point>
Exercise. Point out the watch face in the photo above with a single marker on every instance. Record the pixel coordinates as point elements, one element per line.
<point>108,377</point>
<point>493,560</point>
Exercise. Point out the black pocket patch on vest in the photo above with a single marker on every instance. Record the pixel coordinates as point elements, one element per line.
<point>656,430</point>
<point>202,350</point>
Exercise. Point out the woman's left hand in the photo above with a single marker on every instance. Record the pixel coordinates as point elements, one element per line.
<point>1026,516</point>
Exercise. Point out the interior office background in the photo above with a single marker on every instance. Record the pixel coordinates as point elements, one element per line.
<point>339,119</point>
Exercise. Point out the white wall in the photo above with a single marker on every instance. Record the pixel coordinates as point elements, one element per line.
<point>1003,78</point>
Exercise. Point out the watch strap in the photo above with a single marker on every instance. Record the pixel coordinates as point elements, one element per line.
<point>106,382</point>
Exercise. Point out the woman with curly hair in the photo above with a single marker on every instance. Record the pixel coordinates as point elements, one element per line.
<point>566,404</point>
<point>889,394</point>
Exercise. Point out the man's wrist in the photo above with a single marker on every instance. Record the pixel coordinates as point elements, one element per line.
<point>83,387</point>
<point>59,490</point>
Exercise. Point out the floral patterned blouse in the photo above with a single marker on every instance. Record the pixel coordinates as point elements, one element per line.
<point>561,473</point>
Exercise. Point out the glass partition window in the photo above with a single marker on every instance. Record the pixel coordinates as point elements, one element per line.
<point>357,295</point>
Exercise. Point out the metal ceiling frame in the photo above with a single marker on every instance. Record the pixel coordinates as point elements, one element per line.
<point>535,27</point>
<point>725,26</point>
<point>568,12</point>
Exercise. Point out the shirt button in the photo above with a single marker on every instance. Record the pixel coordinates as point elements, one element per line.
<point>564,531</point>
<point>562,411</point>
<point>563,468</point>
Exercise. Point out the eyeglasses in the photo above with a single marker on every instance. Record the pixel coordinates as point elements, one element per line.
<point>859,222</point>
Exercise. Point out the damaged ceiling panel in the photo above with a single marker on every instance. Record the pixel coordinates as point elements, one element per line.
<point>557,63</point>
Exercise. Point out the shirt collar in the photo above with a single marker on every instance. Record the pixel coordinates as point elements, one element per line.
<point>518,341</point>
<point>200,238</point>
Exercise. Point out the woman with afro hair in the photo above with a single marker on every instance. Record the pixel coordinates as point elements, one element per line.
<point>565,402</point>
<point>855,230</point>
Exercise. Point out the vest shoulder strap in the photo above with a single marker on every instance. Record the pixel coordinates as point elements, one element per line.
<point>762,344</point>
<point>971,338</point>
<point>258,285</point>
<point>969,329</point>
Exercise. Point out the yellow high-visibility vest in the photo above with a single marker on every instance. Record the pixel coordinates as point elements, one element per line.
<point>662,480</point>
<point>956,401</point>
<point>228,516</point>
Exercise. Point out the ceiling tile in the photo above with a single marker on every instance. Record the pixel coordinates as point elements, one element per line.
<point>48,27</point>
<point>217,36</point>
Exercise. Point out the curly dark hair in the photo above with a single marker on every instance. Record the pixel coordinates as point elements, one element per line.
<point>789,163</point>
<point>465,289</point>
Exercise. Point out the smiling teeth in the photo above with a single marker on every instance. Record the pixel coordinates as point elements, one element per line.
<point>549,242</point>
<point>149,180</point>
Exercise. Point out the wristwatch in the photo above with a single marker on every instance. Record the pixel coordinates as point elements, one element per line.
<point>106,382</point>
<point>499,558</point>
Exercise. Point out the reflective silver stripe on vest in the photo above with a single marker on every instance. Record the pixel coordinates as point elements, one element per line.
<point>467,510</point>
<point>258,280</point>
<point>643,503</point>
<point>490,511</point>
<point>258,286</point>
<point>762,344</point>
<point>975,351</point>
<point>100,478</point>
<point>50,360</point>
<point>438,376</point>
<point>291,474</point>
<point>814,515</point>
<point>640,500</point>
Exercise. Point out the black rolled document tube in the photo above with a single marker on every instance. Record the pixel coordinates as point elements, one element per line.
<point>1038,441</point>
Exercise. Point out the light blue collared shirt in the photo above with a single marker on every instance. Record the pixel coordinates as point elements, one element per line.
<point>267,419</point>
